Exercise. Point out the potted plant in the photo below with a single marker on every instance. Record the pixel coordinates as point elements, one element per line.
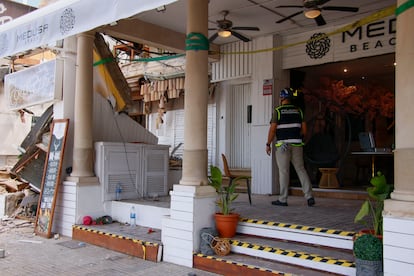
<point>226,219</point>
<point>370,213</point>
<point>368,255</point>
<point>368,243</point>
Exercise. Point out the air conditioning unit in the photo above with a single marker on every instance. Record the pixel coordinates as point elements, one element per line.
<point>140,169</point>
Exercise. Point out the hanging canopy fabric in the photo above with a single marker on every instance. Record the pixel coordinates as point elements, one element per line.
<point>66,18</point>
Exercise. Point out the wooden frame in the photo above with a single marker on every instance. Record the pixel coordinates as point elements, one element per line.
<point>51,178</point>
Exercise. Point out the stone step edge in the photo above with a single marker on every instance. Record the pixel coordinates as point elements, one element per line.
<point>239,266</point>
<point>304,259</point>
<point>145,250</point>
<point>299,233</point>
<point>297,227</point>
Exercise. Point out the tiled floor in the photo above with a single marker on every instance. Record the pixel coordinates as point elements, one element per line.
<point>329,213</point>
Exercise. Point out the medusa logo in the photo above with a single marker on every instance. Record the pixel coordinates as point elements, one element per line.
<point>67,21</point>
<point>318,45</point>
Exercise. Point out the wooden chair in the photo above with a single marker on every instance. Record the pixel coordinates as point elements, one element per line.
<point>232,176</point>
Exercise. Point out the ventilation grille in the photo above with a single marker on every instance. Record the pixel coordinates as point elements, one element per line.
<point>156,186</point>
<point>156,162</point>
<point>127,182</point>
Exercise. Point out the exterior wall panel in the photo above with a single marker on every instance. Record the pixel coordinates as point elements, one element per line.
<point>233,66</point>
<point>398,240</point>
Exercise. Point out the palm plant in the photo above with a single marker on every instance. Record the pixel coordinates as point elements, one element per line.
<point>374,204</point>
<point>226,193</point>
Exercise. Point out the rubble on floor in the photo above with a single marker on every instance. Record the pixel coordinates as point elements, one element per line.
<point>17,200</point>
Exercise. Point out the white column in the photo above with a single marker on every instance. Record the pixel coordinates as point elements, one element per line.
<point>192,201</point>
<point>399,210</point>
<point>83,118</point>
<point>195,100</point>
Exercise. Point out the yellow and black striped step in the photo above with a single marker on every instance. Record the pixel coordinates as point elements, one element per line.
<point>300,227</point>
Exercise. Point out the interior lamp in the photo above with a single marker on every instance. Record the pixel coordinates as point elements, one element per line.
<point>312,13</point>
<point>224,33</point>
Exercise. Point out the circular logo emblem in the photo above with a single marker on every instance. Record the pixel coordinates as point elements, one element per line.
<point>67,21</point>
<point>318,45</point>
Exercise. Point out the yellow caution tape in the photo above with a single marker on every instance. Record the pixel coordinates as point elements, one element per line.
<point>371,18</point>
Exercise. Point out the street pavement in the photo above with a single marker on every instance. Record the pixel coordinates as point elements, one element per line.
<point>28,254</point>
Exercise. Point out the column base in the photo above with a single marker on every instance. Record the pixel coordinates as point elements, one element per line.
<point>192,208</point>
<point>398,208</point>
<point>83,180</point>
<point>398,239</point>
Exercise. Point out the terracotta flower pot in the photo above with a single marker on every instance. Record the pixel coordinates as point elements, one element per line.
<point>226,224</point>
<point>366,231</point>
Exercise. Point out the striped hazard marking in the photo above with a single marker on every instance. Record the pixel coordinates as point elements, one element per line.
<point>294,254</point>
<point>242,264</point>
<point>113,235</point>
<point>300,227</point>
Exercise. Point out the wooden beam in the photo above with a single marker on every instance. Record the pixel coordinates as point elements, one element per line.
<point>135,30</point>
<point>26,61</point>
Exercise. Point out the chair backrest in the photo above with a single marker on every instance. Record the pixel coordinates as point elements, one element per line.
<point>226,166</point>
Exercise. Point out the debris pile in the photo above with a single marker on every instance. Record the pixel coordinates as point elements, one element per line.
<point>17,200</point>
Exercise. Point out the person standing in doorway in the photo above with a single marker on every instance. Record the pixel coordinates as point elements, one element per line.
<point>289,128</point>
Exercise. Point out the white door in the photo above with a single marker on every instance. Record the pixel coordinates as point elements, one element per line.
<point>240,126</point>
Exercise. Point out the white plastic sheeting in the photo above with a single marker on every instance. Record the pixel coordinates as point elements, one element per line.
<point>66,18</point>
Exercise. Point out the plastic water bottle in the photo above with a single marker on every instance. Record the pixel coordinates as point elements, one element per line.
<point>118,191</point>
<point>132,217</point>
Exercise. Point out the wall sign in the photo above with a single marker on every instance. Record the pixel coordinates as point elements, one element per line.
<point>375,38</point>
<point>267,87</point>
<point>36,85</point>
<point>51,178</point>
<point>66,18</point>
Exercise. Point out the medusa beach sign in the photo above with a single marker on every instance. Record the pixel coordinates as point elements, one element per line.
<point>36,85</point>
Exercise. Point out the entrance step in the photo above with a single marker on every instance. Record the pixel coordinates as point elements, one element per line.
<point>122,238</point>
<point>240,264</point>
<point>261,247</point>
<point>281,248</point>
<point>295,232</point>
<point>251,255</point>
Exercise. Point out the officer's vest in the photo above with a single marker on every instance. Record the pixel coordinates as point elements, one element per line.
<point>289,124</point>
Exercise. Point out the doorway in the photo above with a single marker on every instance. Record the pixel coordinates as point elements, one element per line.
<point>240,126</point>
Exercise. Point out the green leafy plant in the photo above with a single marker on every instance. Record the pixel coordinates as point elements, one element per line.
<point>368,247</point>
<point>226,193</point>
<point>370,213</point>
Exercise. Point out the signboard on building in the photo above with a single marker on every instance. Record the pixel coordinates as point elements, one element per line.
<point>51,178</point>
<point>267,87</point>
<point>66,18</point>
<point>320,47</point>
<point>36,85</point>
<point>10,10</point>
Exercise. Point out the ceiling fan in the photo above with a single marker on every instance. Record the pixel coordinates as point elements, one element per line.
<point>313,8</point>
<point>225,29</point>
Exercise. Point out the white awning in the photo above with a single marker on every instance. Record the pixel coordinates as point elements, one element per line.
<point>66,18</point>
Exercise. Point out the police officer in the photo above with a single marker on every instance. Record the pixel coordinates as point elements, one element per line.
<point>288,126</point>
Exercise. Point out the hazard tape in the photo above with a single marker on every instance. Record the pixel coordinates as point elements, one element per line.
<point>405,6</point>
<point>301,227</point>
<point>242,264</point>
<point>371,18</point>
<point>113,235</point>
<point>294,254</point>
